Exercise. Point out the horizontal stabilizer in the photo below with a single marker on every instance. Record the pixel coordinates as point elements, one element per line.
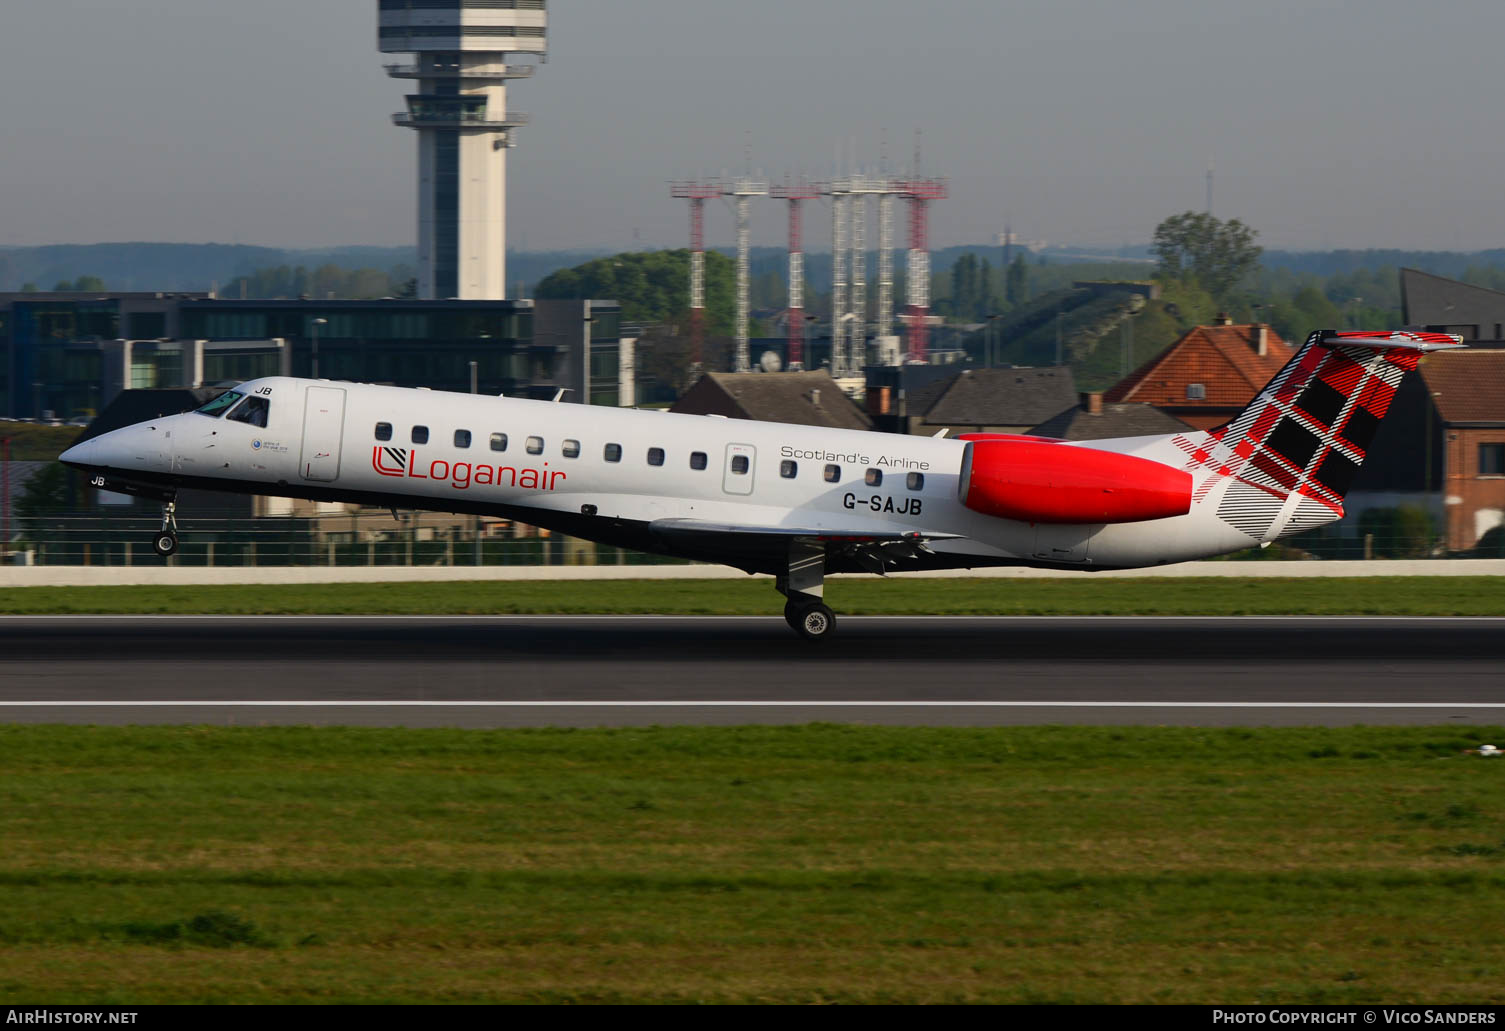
<point>1404,340</point>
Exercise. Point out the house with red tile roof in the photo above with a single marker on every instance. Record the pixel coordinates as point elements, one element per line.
<point>1467,394</point>
<point>1209,375</point>
<point>1441,448</point>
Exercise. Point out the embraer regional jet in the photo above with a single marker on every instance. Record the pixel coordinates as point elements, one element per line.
<point>797,502</point>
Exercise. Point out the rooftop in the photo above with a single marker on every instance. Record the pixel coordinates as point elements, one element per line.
<point>1467,386</point>
<point>1226,360</point>
<point>992,397</point>
<point>1115,420</point>
<point>1475,312</point>
<point>803,398</point>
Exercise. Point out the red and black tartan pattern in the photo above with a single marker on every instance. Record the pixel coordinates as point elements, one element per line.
<point>1306,433</point>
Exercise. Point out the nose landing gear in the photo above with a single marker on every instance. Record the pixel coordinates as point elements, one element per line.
<point>165,543</point>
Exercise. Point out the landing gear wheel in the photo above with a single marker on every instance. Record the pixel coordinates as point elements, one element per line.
<point>792,615</point>
<point>813,622</point>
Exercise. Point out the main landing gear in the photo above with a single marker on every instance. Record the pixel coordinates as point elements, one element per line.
<point>165,543</point>
<point>811,619</point>
<point>804,585</point>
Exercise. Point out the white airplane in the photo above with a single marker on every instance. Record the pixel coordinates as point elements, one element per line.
<point>797,502</point>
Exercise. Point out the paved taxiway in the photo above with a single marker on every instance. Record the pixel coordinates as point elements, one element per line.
<point>593,671</point>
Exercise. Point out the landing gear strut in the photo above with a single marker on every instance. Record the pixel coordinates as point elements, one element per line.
<point>804,585</point>
<point>165,543</point>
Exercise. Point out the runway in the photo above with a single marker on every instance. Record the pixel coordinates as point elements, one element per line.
<point>518,671</point>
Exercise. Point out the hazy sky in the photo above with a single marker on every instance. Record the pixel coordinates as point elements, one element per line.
<point>1333,123</point>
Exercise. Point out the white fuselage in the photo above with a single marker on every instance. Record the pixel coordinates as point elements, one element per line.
<point>591,471</point>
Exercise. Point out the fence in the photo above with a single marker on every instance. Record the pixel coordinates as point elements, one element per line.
<point>370,538</point>
<point>367,539</point>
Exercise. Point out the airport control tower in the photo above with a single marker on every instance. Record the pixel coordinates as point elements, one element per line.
<point>459,107</point>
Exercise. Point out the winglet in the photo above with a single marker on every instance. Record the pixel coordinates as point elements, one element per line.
<point>1404,340</point>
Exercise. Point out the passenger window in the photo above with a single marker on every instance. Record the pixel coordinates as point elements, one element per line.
<point>535,445</point>
<point>613,452</point>
<point>462,438</point>
<point>788,469</point>
<point>572,449</point>
<point>874,478</point>
<point>739,465</point>
<point>384,431</point>
<point>499,442</point>
<point>420,434</point>
<point>252,411</point>
<point>698,460</point>
<point>916,481</point>
<point>833,474</point>
<point>655,456</point>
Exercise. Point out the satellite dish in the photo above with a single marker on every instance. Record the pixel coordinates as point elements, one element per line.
<point>771,362</point>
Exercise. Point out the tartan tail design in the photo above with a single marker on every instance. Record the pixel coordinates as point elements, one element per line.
<point>1293,454</point>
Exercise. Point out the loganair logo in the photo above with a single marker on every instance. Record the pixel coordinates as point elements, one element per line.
<point>404,463</point>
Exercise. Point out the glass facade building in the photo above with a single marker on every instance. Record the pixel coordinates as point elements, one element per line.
<point>54,347</point>
<point>69,356</point>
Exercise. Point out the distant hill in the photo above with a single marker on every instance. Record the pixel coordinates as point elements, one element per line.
<point>196,267</point>
<point>1452,264</point>
<point>173,266</point>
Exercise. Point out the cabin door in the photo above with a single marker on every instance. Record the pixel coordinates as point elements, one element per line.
<point>323,433</point>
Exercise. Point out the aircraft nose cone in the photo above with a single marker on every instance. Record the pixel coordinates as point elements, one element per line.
<point>79,454</point>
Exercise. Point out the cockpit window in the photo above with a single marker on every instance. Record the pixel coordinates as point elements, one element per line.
<point>214,409</point>
<point>252,411</point>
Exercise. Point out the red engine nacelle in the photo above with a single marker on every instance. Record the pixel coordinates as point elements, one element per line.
<point>1039,482</point>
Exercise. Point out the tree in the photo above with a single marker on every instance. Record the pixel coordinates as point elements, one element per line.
<point>1214,253</point>
<point>664,356</point>
<point>1405,531</point>
<point>1016,284</point>
<point>651,286</point>
<point>45,493</point>
<point>83,285</point>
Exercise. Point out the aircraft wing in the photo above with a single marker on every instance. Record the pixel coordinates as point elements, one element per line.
<point>875,550</point>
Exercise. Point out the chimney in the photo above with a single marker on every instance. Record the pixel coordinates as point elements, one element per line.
<point>1222,318</point>
<point>1261,339</point>
<point>1092,403</point>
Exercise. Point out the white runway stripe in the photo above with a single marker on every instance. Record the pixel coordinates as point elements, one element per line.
<point>693,704</point>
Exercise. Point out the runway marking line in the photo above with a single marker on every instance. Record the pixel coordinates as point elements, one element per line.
<point>694,704</point>
<point>605,617</point>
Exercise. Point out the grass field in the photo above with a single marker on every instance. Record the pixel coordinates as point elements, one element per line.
<point>804,864</point>
<point>1415,595</point>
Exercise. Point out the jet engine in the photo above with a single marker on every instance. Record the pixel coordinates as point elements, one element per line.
<point>1040,481</point>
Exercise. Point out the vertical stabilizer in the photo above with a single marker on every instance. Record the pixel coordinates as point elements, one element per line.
<point>1288,459</point>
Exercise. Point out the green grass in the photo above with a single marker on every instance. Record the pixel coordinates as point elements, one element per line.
<point>30,442</point>
<point>1418,595</point>
<point>801,864</point>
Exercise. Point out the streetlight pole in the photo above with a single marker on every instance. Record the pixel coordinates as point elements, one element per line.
<point>5,499</point>
<point>475,520</point>
<point>316,324</point>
